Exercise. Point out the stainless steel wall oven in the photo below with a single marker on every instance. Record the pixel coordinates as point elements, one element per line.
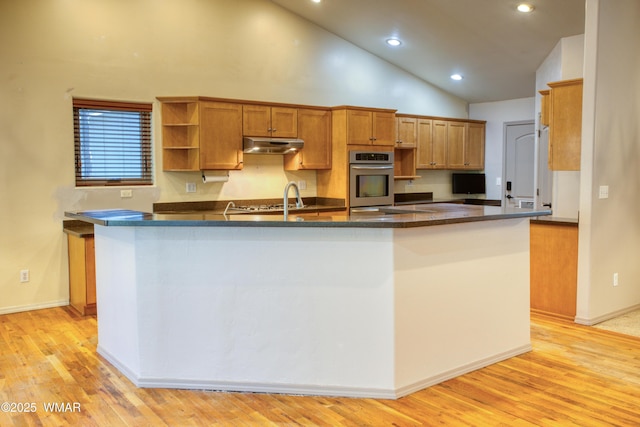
<point>370,179</point>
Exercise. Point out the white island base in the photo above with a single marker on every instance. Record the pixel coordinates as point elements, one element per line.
<point>362,312</point>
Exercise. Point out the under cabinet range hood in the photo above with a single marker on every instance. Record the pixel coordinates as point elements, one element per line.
<point>253,145</point>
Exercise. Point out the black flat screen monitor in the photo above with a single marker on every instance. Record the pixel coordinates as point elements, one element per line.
<point>468,183</point>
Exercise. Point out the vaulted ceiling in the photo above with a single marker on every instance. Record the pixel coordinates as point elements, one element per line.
<point>493,46</point>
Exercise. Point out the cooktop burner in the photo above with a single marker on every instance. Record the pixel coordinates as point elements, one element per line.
<point>263,208</point>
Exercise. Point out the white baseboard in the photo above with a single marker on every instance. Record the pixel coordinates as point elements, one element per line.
<point>595,320</point>
<point>247,387</point>
<point>31,307</point>
<point>307,390</point>
<point>465,369</point>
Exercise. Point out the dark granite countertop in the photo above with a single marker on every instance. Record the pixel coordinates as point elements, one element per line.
<point>405,216</point>
<point>552,220</point>
<point>77,228</point>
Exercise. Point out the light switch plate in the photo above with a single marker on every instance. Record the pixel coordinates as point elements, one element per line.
<point>604,192</point>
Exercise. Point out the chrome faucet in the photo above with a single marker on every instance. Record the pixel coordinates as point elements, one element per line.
<point>299,203</point>
<point>230,204</point>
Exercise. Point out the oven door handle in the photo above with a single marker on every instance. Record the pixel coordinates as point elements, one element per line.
<point>372,167</point>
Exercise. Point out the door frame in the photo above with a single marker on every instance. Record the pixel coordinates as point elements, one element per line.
<point>503,198</point>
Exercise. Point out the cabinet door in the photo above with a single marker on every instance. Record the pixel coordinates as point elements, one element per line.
<point>314,127</point>
<point>439,145</point>
<point>432,144</point>
<point>256,120</point>
<point>565,125</point>
<point>424,144</point>
<point>90,259</point>
<point>359,124</point>
<point>407,131</point>
<point>456,137</point>
<point>220,136</point>
<point>544,107</point>
<point>284,122</point>
<point>474,149</point>
<point>384,128</point>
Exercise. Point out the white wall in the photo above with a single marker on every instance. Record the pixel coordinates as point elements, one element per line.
<point>564,62</point>
<point>136,50</point>
<point>609,237</point>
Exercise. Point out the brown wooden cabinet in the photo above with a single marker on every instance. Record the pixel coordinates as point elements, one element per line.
<point>200,135</point>
<point>450,144</point>
<point>180,135</point>
<point>82,274</point>
<point>565,125</point>
<point>456,140</point>
<point>465,145</point>
<point>314,128</point>
<point>220,136</point>
<point>405,149</point>
<point>554,267</point>
<point>406,131</point>
<point>544,107</point>
<point>474,148</point>
<point>268,121</point>
<point>404,166</point>
<point>432,144</point>
<point>370,127</point>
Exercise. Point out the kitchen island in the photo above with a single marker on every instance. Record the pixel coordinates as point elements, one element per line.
<point>374,305</point>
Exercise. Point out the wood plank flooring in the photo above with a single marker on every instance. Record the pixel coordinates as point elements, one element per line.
<point>575,376</point>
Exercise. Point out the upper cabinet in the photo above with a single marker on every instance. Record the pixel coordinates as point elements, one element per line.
<point>268,121</point>
<point>406,132</point>
<point>565,125</point>
<point>544,107</point>
<point>220,136</point>
<point>314,128</point>
<point>370,126</point>
<point>200,135</point>
<point>474,147</point>
<point>450,144</point>
<point>405,148</point>
<point>432,144</point>
<point>181,135</point>
<point>465,145</point>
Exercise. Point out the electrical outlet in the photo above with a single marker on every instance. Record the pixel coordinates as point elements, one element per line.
<point>302,185</point>
<point>191,187</point>
<point>125,194</point>
<point>615,279</point>
<point>24,276</point>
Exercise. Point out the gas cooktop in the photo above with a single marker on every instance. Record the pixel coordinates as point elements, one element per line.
<point>262,208</point>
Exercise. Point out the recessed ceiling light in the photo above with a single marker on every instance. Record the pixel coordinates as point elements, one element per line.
<point>394,42</point>
<point>316,1</point>
<point>456,77</point>
<point>525,8</point>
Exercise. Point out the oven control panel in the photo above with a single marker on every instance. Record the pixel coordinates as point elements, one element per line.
<point>370,157</point>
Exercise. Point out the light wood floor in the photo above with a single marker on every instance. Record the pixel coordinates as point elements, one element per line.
<point>575,375</point>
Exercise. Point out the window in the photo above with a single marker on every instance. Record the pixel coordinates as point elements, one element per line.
<point>112,143</point>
